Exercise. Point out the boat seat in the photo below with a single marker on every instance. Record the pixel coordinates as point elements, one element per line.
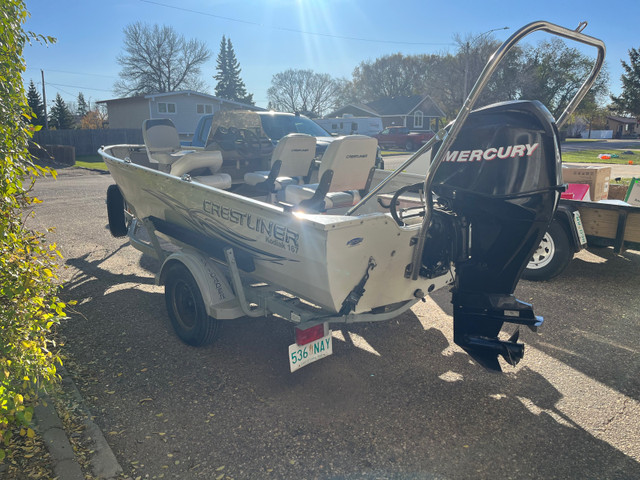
<point>212,160</point>
<point>163,146</point>
<point>346,171</point>
<point>290,164</point>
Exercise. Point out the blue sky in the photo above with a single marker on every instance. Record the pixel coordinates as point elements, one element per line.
<point>270,36</point>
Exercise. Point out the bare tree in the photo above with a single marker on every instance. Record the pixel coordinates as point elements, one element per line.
<point>156,60</point>
<point>304,91</point>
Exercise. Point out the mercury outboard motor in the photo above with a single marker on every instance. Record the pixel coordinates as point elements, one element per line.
<point>502,177</point>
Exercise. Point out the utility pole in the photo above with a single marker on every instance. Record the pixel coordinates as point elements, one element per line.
<point>467,54</point>
<point>44,100</point>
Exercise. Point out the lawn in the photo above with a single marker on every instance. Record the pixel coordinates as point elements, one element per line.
<point>91,161</point>
<point>591,156</point>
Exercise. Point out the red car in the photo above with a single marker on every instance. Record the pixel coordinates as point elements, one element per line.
<point>402,137</point>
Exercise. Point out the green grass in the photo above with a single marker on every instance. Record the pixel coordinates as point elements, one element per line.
<point>91,161</point>
<point>571,140</point>
<point>591,156</point>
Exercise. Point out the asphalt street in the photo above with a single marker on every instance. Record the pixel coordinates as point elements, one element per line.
<point>396,400</point>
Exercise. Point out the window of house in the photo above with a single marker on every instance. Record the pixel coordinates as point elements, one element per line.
<point>204,108</point>
<point>165,107</point>
<point>418,119</point>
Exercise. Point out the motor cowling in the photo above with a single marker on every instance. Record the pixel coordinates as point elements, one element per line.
<point>503,176</point>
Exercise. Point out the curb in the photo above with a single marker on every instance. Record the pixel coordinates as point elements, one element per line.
<point>102,460</point>
<point>65,465</point>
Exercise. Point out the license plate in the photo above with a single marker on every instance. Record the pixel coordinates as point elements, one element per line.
<point>579,228</point>
<point>302,355</point>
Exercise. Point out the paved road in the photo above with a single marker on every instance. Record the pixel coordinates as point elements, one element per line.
<point>397,400</point>
<point>577,145</point>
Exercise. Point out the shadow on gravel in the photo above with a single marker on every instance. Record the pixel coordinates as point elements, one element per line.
<point>597,332</point>
<point>396,400</point>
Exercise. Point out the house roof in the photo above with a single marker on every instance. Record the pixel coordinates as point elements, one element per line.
<point>628,120</point>
<point>389,106</point>
<point>393,106</point>
<point>152,96</point>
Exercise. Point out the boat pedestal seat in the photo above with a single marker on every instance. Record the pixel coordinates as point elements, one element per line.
<point>162,143</point>
<point>211,160</point>
<point>169,158</point>
<point>297,194</point>
<point>280,183</point>
<point>346,172</point>
<point>218,180</point>
<point>291,163</point>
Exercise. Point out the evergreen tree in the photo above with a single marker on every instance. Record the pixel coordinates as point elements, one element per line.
<point>35,102</point>
<point>230,85</point>
<point>221,66</point>
<point>83,106</point>
<point>629,100</point>
<point>60,117</point>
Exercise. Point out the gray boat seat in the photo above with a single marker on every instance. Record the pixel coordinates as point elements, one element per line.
<point>163,146</point>
<point>290,163</point>
<point>201,160</point>
<point>346,171</point>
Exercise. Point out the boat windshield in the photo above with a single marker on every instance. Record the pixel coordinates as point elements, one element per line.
<point>277,126</point>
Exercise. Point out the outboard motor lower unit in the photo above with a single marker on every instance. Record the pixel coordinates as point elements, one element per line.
<point>503,176</point>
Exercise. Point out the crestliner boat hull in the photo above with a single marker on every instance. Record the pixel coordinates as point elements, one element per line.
<point>320,258</point>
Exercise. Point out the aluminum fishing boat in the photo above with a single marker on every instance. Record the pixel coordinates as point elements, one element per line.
<point>344,242</point>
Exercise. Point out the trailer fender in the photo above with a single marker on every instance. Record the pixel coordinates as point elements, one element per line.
<point>219,299</point>
<point>565,215</point>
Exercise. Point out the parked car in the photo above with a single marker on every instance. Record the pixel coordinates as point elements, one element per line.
<point>402,137</point>
<point>247,138</point>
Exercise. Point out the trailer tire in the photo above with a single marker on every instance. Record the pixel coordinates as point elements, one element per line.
<point>186,308</point>
<point>552,256</point>
<point>115,212</point>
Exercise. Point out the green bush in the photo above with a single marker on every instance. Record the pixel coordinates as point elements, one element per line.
<point>29,305</point>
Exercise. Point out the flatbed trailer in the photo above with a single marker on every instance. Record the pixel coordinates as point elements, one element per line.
<point>581,224</point>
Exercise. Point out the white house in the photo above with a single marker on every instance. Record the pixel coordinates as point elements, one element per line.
<point>184,108</point>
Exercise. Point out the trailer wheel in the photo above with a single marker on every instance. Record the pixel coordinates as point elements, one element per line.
<point>552,256</point>
<point>186,308</point>
<point>115,212</point>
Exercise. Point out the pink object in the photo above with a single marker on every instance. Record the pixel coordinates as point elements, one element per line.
<point>576,191</point>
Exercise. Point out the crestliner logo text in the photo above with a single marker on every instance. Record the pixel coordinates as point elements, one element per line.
<point>275,233</point>
<point>511,151</point>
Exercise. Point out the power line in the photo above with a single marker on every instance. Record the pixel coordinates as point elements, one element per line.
<point>293,30</point>
<point>75,73</point>
<point>77,86</point>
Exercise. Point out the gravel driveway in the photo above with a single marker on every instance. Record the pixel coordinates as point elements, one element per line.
<point>397,400</point>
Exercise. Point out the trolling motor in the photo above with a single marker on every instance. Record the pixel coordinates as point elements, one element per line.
<point>502,175</point>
